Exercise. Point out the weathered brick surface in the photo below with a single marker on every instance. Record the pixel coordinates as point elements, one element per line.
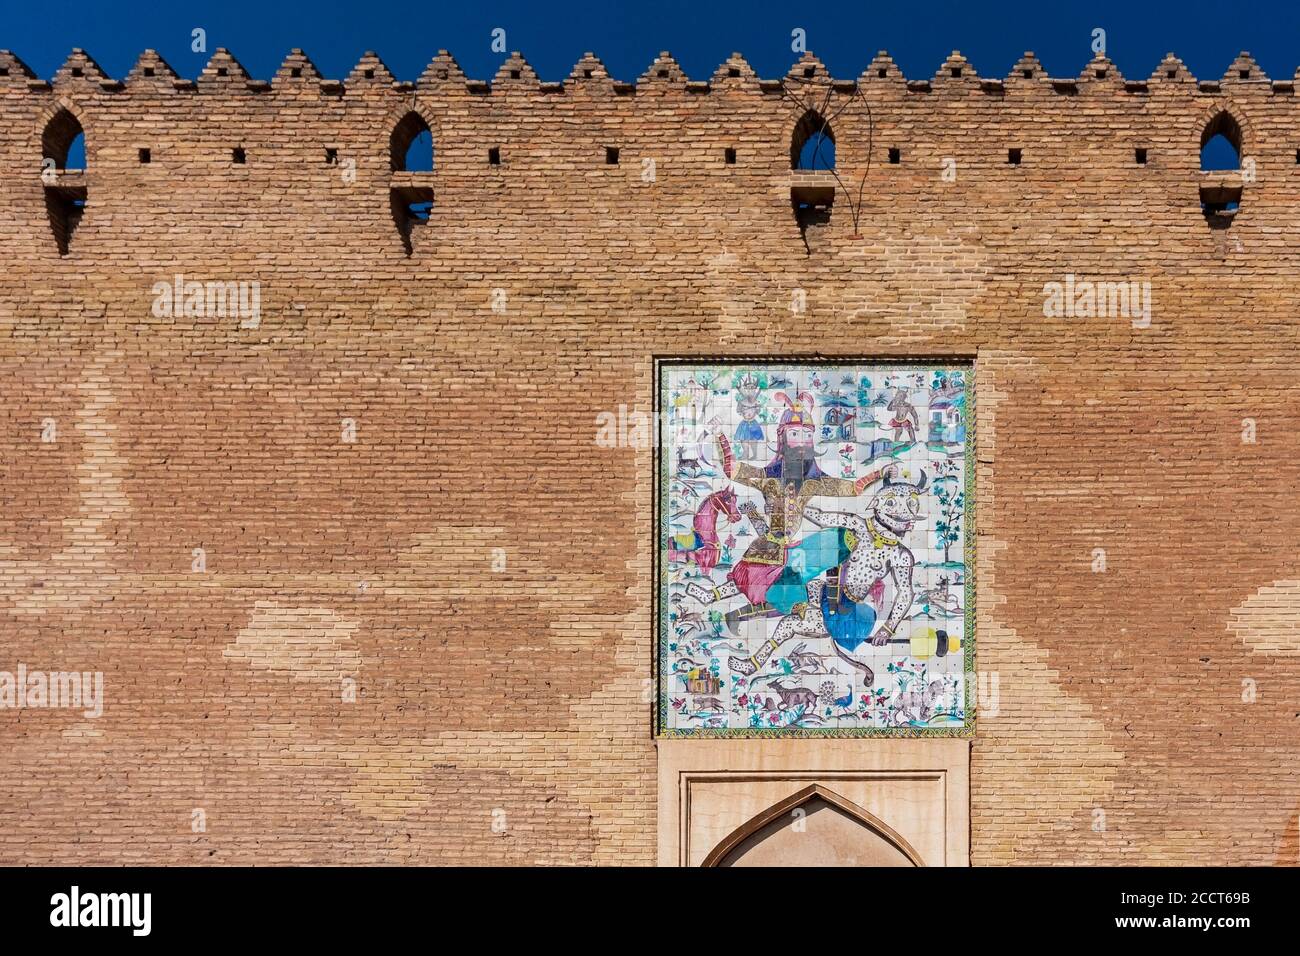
<point>521,690</point>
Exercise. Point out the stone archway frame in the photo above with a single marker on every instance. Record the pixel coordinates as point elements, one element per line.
<point>798,799</point>
<point>712,792</point>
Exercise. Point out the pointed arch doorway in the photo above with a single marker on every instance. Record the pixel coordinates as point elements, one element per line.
<point>814,802</point>
<point>814,827</point>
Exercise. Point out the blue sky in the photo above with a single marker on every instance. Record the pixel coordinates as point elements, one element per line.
<point>628,35</point>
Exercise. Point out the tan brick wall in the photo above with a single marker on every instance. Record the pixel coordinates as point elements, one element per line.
<point>522,691</point>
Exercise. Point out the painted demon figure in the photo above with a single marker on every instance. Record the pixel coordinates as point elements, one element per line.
<point>844,605</point>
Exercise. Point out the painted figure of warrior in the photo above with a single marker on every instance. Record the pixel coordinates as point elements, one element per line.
<point>776,567</point>
<point>845,604</point>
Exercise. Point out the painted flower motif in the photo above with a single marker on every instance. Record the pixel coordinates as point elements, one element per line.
<point>743,700</point>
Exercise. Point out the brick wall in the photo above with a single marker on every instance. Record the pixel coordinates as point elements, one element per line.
<point>501,710</point>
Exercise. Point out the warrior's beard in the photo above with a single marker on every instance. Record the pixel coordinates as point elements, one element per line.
<point>796,462</point>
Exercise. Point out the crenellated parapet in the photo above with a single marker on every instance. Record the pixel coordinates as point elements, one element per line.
<point>888,138</point>
<point>223,72</point>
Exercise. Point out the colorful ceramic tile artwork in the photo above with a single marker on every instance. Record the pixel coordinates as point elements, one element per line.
<point>816,545</point>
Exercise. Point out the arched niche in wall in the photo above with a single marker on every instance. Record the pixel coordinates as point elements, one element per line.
<point>814,827</point>
<point>1222,174</point>
<point>812,162</point>
<point>411,159</point>
<point>65,189</point>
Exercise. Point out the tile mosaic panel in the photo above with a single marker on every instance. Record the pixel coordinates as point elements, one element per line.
<point>815,547</point>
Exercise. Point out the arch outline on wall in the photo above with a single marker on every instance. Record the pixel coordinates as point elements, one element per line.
<point>51,112</point>
<point>1222,104</point>
<point>797,799</point>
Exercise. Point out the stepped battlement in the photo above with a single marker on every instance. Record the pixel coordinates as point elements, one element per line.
<point>297,75</point>
<point>158,145</point>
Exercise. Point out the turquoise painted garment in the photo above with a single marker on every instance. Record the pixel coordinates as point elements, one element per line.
<point>811,557</point>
